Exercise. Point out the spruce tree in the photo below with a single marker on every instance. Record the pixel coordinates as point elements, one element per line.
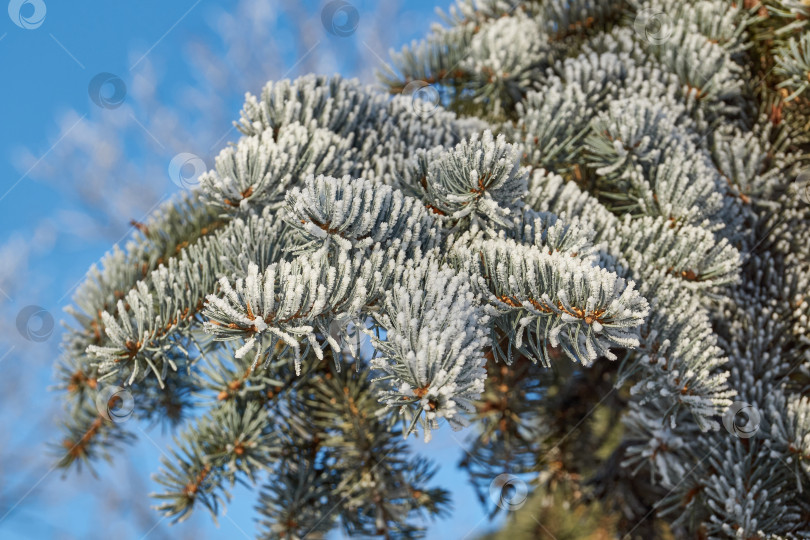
<point>579,230</point>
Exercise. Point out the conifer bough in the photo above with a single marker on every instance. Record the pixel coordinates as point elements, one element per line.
<point>594,255</point>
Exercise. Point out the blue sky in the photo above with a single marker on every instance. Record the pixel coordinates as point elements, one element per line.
<point>73,174</point>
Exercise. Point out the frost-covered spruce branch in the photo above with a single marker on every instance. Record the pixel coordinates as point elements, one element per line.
<point>334,248</point>
<point>658,134</point>
<point>626,204</point>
